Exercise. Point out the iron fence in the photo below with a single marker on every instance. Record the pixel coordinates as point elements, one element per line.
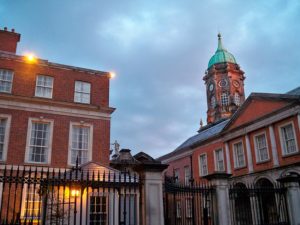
<point>65,197</point>
<point>188,204</point>
<point>258,205</point>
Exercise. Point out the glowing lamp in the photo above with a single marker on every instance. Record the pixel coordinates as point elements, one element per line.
<point>30,58</point>
<point>112,74</point>
<point>75,192</point>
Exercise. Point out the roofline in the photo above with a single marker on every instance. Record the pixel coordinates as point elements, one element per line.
<point>43,62</point>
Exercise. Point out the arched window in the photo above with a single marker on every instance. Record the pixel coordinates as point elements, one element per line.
<point>237,99</point>
<point>224,99</point>
<point>213,102</point>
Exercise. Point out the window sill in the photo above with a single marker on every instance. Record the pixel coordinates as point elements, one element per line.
<point>263,161</point>
<point>36,164</point>
<point>42,97</point>
<point>291,154</point>
<point>240,168</point>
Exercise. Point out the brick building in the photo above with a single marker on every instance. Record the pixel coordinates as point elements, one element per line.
<point>51,113</point>
<point>253,139</point>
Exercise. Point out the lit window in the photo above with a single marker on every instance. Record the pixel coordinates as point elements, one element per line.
<point>178,209</point>
<point>224,99</point>
<point>237,99</point>
<point>32,204</point>
<point>39,142</point>
<point>44,86</point>
<point>188,209</point>
<point>80,144</point>
<point>213,102</point>
<point>82,92</point>
<point>187,175</point>
<point>239,156</point>
<point>98,210</point>
<point>288,139</point>
<point>6,77</point>
<point>261,148</point>
<point>219,160</point>
<point>203,165</point>
<point>4,123</point>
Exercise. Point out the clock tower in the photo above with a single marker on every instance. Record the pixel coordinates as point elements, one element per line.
<point>224,82</point>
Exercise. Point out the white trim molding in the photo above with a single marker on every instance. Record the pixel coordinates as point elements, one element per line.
<point>49,150</point>
<point>228,162</point>
<point>6,135</point>
<point>273,146</point>
<point>249,154</point>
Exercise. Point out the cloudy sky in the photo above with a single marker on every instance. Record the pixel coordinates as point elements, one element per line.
<point>160,50</point>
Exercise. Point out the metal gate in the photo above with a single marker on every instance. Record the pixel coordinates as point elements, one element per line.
<point>258,205</point>
<point>191,204</point>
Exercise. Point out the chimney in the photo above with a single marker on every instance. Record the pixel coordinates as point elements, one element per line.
<point>9,40</point>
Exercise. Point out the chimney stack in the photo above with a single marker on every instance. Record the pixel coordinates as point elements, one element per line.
<point>9,40</point>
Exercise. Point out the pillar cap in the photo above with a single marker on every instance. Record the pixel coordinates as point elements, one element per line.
<point>290,178</point>
<point>218,175</point>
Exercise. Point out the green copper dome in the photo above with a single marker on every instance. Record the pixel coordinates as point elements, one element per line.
<point>221,55</point>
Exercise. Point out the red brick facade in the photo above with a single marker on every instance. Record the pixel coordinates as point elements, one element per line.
<point>21,104</point>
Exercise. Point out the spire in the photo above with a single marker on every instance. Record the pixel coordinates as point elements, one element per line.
<point>220,45</point>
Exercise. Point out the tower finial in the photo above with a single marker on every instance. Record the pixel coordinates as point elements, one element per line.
<point>220,45</point>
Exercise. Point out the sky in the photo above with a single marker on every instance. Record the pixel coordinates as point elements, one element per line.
<point>159,50</point>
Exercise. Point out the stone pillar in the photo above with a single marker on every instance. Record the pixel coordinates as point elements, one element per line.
<point>221,184</point>
<point>291,182</point>
<point>152,210</point>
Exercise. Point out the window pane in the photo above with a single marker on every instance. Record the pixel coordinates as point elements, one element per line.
<point>44,86</point>
<point>80,144</point>
<point>39,142</point>
<point>82,92</point>
<point>6,80</point>
<point>289,144</point>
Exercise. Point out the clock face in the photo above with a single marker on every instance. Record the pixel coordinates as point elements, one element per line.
<point>236,83</point>
<point>223,83</point>
<point>211,87</point>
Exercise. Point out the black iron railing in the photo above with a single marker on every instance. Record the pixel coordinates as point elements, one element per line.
<point>188,204</point>
<point>68,196</point>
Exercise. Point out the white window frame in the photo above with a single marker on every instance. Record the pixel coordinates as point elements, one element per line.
<point>27,151</point>
<point>282,142</point>
<point>36,86</point>
<point>257,153</point>
<point>6,137</point>
<point>24,202</point>
<point>79,81</point>
<point>236,165</point>
<point>178,208</point>
<point>187,171</point>
<point>90,149</point>
<point>12,79</point>
<point>216,160</point>
<point>189,210</point>
<point>201,172</point>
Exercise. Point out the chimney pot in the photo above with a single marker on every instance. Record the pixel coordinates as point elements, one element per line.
<point>13,30</point>
<point>5,28</point>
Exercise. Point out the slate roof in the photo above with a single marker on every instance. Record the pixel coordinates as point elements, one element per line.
<point>203,134</point>
<point>295,91</point>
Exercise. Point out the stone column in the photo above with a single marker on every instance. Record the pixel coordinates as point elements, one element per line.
<point>291,182</point>
<point>221,184</point>
<point>152,210</point>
